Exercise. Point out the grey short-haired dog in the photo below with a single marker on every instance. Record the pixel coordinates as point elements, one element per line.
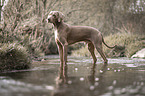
<point>66,34</point>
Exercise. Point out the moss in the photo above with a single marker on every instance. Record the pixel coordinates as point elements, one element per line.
<point>13,57</point>
<point>132,43</point>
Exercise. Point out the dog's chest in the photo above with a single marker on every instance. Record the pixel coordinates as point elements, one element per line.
<point>60,36</point>
<point>56,34</point>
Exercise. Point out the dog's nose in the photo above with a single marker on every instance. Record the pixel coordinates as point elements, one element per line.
<point>48,20</point>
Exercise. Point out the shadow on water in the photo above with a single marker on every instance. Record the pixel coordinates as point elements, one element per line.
<point>121,77</point>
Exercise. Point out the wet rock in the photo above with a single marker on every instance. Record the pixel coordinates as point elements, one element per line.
<point>139,54</point>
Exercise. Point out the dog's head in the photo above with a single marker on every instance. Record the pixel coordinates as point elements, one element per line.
<point>54,17</point>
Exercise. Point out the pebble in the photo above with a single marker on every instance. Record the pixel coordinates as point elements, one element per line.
<point>96,79</point>
<point>92,87</point>
<point>82,79</point>
<point>114,82</point>
<point>108,69</point>
<point>110,87</point>
<point>76,69</point>
<point>101,71</point>
<point>69,82</point>
<point>96,83</point>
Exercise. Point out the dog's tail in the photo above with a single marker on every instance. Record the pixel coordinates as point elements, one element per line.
<point>107,45</point>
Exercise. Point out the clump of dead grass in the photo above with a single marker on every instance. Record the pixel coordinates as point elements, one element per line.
<point>13,57</point>
<point>132,42</point>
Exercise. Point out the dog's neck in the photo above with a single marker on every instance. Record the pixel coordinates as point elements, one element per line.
<point>57,25</point>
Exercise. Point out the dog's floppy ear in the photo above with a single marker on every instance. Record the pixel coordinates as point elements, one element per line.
<point>60,16</point>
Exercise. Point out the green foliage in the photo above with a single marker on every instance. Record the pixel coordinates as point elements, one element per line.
<point>13,57</point>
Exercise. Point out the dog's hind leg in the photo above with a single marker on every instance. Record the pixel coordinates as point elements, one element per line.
<point>99,49</point>
<point>91,50</point>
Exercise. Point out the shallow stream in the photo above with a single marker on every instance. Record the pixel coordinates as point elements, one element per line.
<point>121,77</point>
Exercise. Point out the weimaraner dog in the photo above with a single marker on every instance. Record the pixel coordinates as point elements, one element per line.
<point>66,34</point>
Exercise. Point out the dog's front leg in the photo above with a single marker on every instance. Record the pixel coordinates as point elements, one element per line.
<point>60,49</point>
<point>65,55</point>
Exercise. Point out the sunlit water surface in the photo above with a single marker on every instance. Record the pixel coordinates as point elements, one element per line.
<point>121,77</point>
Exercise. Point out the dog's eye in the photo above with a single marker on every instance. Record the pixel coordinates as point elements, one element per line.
<point>54,16</point>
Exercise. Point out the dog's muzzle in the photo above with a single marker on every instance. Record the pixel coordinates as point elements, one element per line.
<point>48,20</point>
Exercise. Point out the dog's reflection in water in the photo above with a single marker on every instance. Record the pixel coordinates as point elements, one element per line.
<point>73,86</point>
<point>61,83</point>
